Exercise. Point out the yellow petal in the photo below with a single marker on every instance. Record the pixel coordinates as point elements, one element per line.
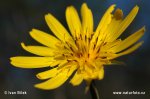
<point>73,21</point>
<point>62,64</point>
<point>77,79</point>
<point>130,40</point>
<point>38,50</point>
<point>72,68</point>
<point>99,33</point>
<point>125,23</point>
<point>48,74</point>
<point>87,20</point>
<point>31,62</point>
<point>106,19</point>
<point>114,25</point>
<point>55,81</point>
<point>57,28</point>
<point>54,63</point>
<point>101,73</point>
<point>129,50</point>
<point>110,45</point>
<point>44,38</point>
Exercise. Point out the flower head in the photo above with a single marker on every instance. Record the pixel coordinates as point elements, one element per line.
<point>82,53</point>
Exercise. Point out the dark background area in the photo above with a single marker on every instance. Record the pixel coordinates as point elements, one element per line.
<point>18,17</point>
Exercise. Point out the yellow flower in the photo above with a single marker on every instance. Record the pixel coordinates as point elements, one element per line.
<point>84,52</point>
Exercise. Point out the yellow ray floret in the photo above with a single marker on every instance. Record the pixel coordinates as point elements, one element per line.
<point>38,50</point>
<point>73,21</point>
<point>44,38</point>
<point>48,74</point>
<point>31,62</point>
<point>82,53</point>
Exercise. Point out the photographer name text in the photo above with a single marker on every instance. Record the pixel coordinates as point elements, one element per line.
<point>15,92</point>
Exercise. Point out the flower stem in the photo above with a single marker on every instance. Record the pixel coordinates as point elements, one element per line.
<point>94,91</point>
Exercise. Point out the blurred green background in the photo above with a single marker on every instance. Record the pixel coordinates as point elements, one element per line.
<point>18,17</point>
